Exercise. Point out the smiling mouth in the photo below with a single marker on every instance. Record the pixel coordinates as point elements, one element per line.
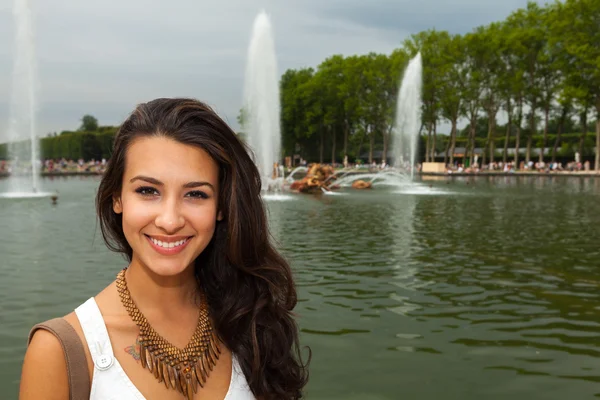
<point>169,244</point>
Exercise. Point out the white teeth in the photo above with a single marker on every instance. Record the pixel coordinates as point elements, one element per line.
<point>168,245</point>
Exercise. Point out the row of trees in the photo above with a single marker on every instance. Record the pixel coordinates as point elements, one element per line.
<point>540,67</point>
<point>89,141</point>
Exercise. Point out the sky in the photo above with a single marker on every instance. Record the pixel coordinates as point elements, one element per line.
<point>104,57</point>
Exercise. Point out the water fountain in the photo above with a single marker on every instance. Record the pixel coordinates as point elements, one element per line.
<point>408,117</point>
<point>290,178</point>
<point>261,122</point>
<point>23,181</point>
<point>404,140</point>
<point>262,105</point>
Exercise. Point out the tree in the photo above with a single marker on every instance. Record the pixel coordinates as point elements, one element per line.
<point>349,94</point>
<point>330,77</point>
<point>384,83</point>
<point>512,84</point>
<point>550,79</point>
<point>89,123</point>
<point>376,99</point>
<point>294,125</point>
<point>487,43</point>
<point>565,101</point>
<point>451,100</point>
<point>528,43</point>
<point>476,81</point>
<point>241,119</point>
<point>429,43</point>
<point>574,24</point>
<point>313,97</point>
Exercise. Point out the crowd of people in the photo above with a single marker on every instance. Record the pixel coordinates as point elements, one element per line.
<point>510,166</point>
<point>53,166</point>
<point>64,166</point>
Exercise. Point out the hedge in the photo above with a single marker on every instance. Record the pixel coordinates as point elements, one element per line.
<point>68,145</point>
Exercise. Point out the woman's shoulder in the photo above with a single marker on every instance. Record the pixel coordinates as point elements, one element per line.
<point>44,373</point>
<point>46,333</point>
<point>45,366</point>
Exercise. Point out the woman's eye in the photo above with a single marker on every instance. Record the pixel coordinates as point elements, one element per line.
<point>146,191</point>
<point>198,194</point>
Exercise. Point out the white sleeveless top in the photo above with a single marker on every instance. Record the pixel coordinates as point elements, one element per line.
<point>109,379</point>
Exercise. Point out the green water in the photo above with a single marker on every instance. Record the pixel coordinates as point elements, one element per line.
<point>470,289</point>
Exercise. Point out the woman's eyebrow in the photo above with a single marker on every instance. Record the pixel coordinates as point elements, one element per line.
<point>156,182</point>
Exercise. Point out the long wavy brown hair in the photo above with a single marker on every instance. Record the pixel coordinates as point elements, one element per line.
<point>249,286</point>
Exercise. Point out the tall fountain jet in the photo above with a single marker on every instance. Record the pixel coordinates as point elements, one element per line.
<point>261,100</point>
<point>22,122</point>
<point>408,116</point>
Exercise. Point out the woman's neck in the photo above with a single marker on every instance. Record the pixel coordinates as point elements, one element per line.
<point>157,294</point>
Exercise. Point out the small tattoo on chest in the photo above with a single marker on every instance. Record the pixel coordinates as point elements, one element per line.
<point>134,349</point>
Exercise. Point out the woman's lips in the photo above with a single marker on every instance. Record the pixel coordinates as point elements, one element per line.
<point>168,247</point>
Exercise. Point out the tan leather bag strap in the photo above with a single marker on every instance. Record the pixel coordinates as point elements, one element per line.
<point>77,368</point>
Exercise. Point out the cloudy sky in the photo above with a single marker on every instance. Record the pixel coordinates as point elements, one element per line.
<point>103,57</point>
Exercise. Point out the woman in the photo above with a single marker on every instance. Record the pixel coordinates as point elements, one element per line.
<point>180,199</point>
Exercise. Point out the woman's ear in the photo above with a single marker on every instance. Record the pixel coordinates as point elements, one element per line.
<point>220,216</point>
<point>117,206</point>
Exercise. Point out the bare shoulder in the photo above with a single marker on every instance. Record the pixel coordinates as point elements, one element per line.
<point>44,372</point>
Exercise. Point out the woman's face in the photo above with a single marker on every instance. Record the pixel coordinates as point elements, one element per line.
<point>168,203</point>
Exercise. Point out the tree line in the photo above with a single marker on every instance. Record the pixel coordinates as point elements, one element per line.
<point>89,142</point>
<point>540,68</point>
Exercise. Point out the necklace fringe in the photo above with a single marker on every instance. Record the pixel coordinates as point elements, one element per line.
<point>180,369</point>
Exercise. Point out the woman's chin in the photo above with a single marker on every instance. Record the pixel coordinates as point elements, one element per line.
<point>168,269</point>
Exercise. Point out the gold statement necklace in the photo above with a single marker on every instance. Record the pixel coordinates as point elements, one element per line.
<point>179,369</point>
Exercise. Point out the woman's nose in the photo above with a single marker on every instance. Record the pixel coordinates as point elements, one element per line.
<point>170,218</point>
